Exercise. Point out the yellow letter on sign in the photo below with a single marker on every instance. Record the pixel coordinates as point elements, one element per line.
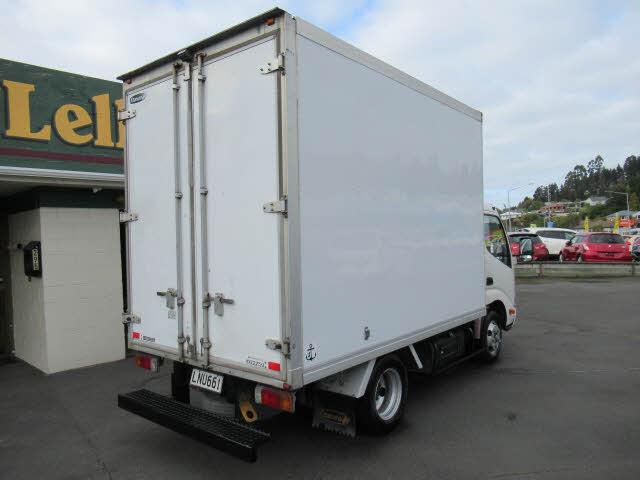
<point>119,106</point>
<point>103,120</point>
<point>19,113</point>
<point>66,127</point>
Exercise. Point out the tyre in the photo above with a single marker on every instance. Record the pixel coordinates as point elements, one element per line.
<point>561,258</point>
<point>579,259</point>
<point>381,408</point>
<point>491,337</point>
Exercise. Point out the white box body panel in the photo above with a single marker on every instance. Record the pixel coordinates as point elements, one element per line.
<point>391,210</point>
<point>383,179</point>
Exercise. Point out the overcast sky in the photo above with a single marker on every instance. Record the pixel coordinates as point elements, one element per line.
<point>558,81</point>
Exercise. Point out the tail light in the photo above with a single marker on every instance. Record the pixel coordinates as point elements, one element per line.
<point>148,362</point>
<point>274,398</point>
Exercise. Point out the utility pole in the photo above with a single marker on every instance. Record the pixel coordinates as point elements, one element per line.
<point>626,194</point>
<point>548,206</point>
<point>509,199</point>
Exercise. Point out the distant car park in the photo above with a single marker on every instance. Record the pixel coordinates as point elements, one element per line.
<point>596,247</point>
<point>527,247</point>
<point>553,238</point>
<point>635,249</point>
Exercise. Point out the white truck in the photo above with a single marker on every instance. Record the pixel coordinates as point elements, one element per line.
<point>305,227</point>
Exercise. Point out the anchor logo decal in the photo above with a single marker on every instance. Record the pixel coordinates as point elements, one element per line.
<point>311,352</point>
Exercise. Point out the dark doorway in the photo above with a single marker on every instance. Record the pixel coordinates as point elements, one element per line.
<point>6,331</point>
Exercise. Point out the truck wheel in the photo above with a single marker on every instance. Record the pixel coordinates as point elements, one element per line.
<point>382,406</point>
<point>491,337</point>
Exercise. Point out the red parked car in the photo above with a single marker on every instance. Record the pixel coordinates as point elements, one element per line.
<point>527,247</point>
<point>596,247</point>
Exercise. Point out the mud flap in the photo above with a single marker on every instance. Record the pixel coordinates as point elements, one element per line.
<point>334,413</point>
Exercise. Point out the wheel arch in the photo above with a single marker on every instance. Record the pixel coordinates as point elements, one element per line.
<point>500,308</point>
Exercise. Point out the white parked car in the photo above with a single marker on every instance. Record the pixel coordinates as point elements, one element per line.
<point>553,238</point>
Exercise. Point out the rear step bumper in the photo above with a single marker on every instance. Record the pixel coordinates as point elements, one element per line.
<point>223,433</point>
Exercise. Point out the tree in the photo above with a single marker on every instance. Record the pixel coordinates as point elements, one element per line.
<point>634,203</point>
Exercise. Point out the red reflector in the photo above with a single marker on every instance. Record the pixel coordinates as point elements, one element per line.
<point>135,334</point>
<point>270,398</point>
<point>148,363</point>
<point>143,362</point>
<point>275,398</point>
<point>274,366</point>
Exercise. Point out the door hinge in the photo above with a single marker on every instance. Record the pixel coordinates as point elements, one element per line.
<point>128,217</point>
<point>273,65</point>
<point>128,318</point>
<point>282,345</point>
<point>279,206</point>
<point>124,115</point>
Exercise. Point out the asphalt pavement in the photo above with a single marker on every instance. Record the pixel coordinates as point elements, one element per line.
<point>562,402</point>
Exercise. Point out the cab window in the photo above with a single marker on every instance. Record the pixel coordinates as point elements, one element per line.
<point>495,240</point>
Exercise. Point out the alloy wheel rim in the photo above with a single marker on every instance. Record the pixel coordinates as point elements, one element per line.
<point>494,338</point>
<point>388,394</point>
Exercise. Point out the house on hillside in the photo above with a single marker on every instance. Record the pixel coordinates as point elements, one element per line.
<point>510,214</point>
<point>593,201</point>
<point>559,208</point>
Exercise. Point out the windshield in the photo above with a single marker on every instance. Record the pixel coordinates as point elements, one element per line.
<point>606,238</point>
<point>516,238</point>
<point>557,234</point>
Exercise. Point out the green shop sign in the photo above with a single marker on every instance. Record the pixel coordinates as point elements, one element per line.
<point>59,121</point>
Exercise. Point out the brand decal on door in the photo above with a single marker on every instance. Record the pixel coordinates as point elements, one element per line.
<point>137,98</point>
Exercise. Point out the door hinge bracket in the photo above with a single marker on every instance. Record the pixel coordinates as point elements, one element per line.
<point>279,206</point>
<point>128,318</point>
<point>283,346</point>
<point>273,65</point>
<point>206,300</point>
<point>128,217</point>
<point>124,115</point>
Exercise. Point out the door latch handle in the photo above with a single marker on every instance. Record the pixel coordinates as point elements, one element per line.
<point>219,301</point>
<point>489,280</point>
<point>170,296</point>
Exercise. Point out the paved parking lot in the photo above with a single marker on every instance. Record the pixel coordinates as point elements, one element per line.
<point>563,402</point>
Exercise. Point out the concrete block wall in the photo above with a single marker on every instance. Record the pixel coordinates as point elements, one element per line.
<point>81,298</point>
<point>27,297</point>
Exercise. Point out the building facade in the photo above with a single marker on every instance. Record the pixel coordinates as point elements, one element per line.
<point>61,188</point>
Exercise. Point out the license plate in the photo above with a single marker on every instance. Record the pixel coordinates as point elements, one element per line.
<point>207,380</point>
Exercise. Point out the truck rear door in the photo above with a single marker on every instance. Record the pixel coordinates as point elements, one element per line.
<point>158,195</point>
<point>240,244</point>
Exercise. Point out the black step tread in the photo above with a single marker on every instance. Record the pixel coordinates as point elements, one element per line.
<point>224,433</point>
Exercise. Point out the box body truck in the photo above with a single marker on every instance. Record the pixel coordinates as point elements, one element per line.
<point>304,226</point>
